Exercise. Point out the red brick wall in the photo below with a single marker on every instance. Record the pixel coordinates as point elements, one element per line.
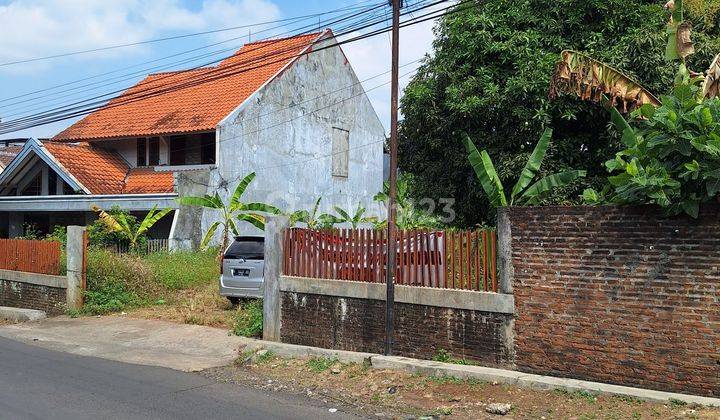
<point>420,331</point>
<point>619,295</point>
<point>32,296</point>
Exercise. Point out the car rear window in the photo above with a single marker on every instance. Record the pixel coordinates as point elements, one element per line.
<point>247,248</point>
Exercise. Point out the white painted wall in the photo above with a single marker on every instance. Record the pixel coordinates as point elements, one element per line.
<point>290,147</point>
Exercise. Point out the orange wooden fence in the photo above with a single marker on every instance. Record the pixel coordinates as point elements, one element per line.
<point>31,256</point>
<point>441,259</point>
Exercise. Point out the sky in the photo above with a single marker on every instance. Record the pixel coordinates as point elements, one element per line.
<point>40,28</point>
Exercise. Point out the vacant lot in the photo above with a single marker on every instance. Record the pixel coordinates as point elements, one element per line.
<point>390,394</point>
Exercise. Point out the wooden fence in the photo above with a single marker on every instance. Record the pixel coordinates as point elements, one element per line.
<point>32,256</point>
<point>441,259</point>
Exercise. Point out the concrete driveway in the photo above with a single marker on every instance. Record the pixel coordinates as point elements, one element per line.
<point>140,341</point>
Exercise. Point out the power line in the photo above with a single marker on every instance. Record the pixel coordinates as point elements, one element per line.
<point>167,88</point>
<point>169,38</point>
<point>145,70</point>
<point>44,119</point>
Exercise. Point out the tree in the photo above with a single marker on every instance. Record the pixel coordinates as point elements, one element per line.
<point>529,189</point>
<point>122,224</point>
<point>409,216</point>
<point>489,76</point>
<point>312,219</point>
<point>235,209</point>
<point>354,219</point>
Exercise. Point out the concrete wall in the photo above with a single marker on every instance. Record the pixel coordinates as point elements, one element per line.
<point>186,232</point>
<point>618,294</point>
<point>289,147</point>
<point>350,316</point>
<point>34,291</point>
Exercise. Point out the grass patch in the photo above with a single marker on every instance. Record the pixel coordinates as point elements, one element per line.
<point>445,357</point>
<point>265,357</point>
<point>183,269</point>
<point>320,364</point>
<point>581,394</point>
<point>675,403</point>
<point>248,319</point>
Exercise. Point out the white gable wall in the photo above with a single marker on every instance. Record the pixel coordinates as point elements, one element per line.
<point>290,147</point>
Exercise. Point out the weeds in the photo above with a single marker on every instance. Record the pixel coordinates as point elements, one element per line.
<point>675,403</point>
<point>264,357</point>
<point>445,357</point>
<point>320,364</point>
<point>183,269</point>
<point>248,319</point>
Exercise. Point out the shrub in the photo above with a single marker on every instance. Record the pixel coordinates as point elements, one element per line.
<point>184,269</point>
<point>249,319</point>
<point>115,282</point>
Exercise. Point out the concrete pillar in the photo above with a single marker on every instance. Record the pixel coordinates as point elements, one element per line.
<point>274,227</point>
<point>506,272</point>
<point>75,249</point>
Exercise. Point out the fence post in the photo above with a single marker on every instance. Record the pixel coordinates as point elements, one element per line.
<point>274,228</point>
<point>75,250</point>
<point>504,255</point>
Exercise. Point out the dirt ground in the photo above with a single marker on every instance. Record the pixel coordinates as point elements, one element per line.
<point>201,305</point>
<point>391,394</point>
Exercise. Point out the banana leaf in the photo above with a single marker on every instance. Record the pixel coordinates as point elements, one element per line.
<point>485,171</point>
<point>533,164</point>
<point>561,179</point>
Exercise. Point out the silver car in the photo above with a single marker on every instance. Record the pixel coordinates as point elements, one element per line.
<point>242,266</point>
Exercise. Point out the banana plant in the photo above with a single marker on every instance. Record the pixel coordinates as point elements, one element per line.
<point>528,190</point>
<point>355,219</point>
<point>312,219</point>
<point>121,224</point>
<point>230,212</point>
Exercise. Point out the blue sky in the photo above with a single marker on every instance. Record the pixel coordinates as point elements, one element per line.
<point>38,28</point>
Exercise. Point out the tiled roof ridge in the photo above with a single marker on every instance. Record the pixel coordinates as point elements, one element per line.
<point>285,38</point>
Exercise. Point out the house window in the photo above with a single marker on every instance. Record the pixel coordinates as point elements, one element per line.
<point>141,152</point>
<point>207,148</point>
<point>52,182</point>
<point>154,151</point>
<point>178,150</point>
<point>34,187</point>
<point>340,152</point>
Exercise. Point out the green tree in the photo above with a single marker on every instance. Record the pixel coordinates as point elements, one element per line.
<point>488,76</point>
<point>126,227</point>
<point>235,209</point>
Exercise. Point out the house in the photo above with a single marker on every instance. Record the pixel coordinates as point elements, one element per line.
<point>292,110</point>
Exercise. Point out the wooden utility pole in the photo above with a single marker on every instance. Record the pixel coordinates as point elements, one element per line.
<point>392,201</point>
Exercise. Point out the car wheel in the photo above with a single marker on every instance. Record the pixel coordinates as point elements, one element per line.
<point>233,300</point>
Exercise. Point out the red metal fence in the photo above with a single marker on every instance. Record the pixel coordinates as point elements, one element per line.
<point>441,259</point>
<point>31,256</point>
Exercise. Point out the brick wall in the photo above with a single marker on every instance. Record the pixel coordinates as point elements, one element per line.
<point>619,295</point>
<point>420,330</point>
<point>32,296</point>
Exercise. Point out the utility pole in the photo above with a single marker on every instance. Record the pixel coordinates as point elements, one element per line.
<point>392,201</point>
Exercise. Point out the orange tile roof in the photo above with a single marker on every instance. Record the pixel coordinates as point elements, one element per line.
<point>7,154</point>
<point>207,95</point>
<point>105,172</point>
<point>144,180</point>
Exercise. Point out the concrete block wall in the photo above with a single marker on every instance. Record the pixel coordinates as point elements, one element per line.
<point>18,294</point>
<point>617,294</point>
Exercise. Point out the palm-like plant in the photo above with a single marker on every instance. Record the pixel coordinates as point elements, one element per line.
<point>355,219</point>
<point>122,224</point>
<point>528,190</point>
<point>235,209</point>
<point>312,219</point>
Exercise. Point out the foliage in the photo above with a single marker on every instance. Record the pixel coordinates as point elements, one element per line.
<point>235,209</point>
<point>249,319</point>
<point>100,236</point>
<point>409,216</point>
<point>320,364</point>
<point>127,227</point>
<point>488,76</point>
<point>115,282</point>
<point>529,189</point>
<point>183,269</point>
<point>58,234</point>
<point>30,232</point>
<point>672,157</point>
<point>312,219</point>
<point>354,219</point>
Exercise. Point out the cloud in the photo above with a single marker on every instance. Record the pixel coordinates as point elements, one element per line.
<point>371,56</point>
<point>36,28</point>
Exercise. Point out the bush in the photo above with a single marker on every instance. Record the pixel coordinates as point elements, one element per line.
<point>249,319</point>
<point>184,269</point>
<point>115,282</point>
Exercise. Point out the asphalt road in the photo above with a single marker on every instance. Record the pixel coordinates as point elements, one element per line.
<point>41,384</point>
